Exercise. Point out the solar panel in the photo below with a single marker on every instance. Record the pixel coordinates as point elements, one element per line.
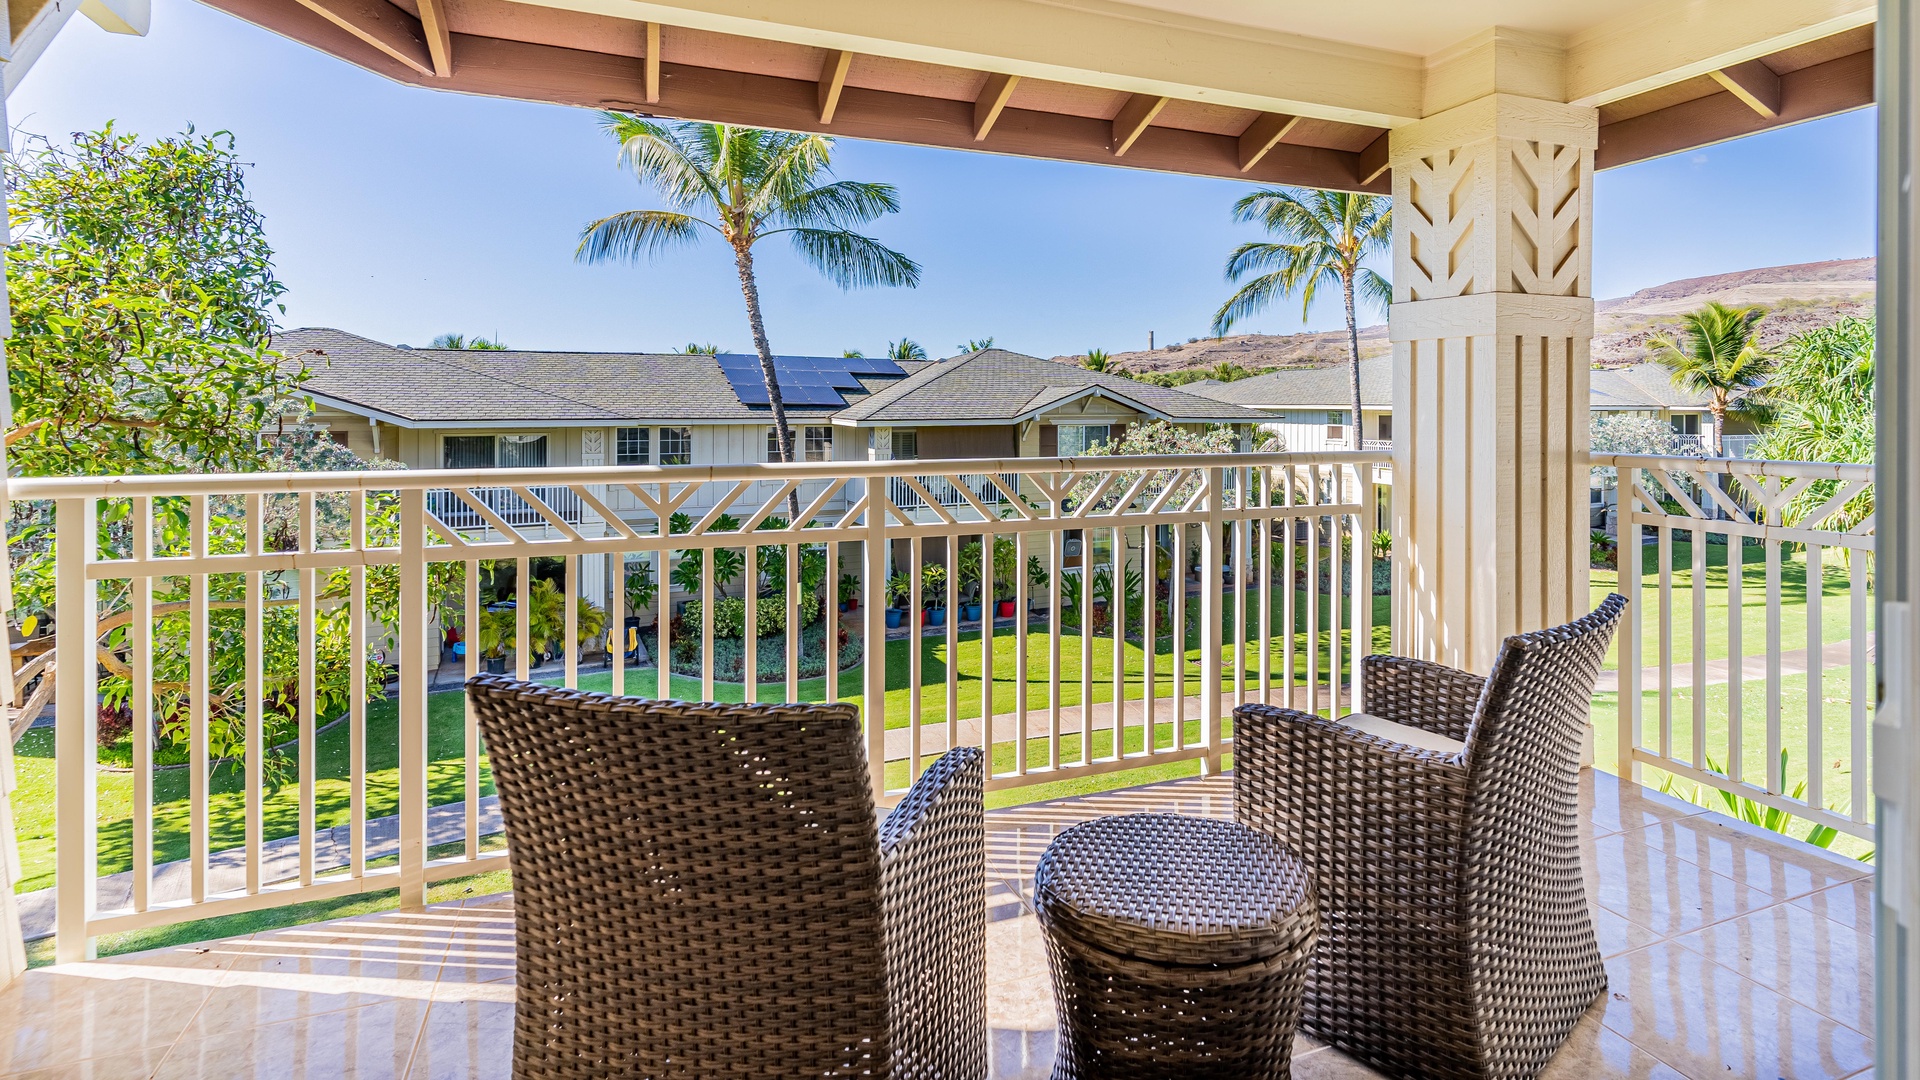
<point>803,380</point>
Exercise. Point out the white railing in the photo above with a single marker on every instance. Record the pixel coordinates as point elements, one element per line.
<point>231,613</point>
<point>1384,446</point>
<point>1772,521</point>
<point>951,491</point>
<point>494,507</point>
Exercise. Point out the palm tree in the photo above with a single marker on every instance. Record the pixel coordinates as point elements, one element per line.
<point>694,348</point>
<point>978,344</point>
<point>1096,360</point>
<point>905,349</point>
<point>852,354</point>
<point>462,341</point>
<point>752,184</point>
<point>1325,236</point>
<point>1718,357</point>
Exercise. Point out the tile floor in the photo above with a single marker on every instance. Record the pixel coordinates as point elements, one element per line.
<point>1731,954</point>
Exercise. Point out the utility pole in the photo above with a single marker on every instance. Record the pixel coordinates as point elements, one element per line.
<point>1149,341</point>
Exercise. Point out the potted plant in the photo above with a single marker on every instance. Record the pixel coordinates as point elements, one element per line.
<point>933,590</point>
<point>968,567</point>
<point>849,591</point>
<point>497,632</point>
<point>1006,564</point>
<point>899,587</point>
<point>642,590</point>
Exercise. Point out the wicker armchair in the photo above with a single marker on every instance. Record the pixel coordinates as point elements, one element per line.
<point>1442,831</point>
<point>703,891</point>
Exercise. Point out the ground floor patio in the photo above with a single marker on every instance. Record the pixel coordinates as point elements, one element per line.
<point>1730,953</point>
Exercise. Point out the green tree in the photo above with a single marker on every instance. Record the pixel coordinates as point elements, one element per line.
<point>974,345</point>
<point>1718,357</point>
<point>143,297</point>
<point>462,341</point>
<point>696,349</point>
<point>1096,360</point>
<point>752,184</point>
<point>1326,237</point>
<point>1821,399</point>
<point>905,349</point>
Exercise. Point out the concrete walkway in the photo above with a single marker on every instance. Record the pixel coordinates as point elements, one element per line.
<point>1838,654</point>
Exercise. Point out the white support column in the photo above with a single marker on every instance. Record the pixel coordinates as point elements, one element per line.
<point>593,571</point>
<point>880,448</point>
<point>1491,326</point>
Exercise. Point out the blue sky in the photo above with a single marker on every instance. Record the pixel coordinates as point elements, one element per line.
<point>401,213</point>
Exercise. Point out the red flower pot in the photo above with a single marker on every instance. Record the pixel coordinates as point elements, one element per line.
<point>1004,609</point>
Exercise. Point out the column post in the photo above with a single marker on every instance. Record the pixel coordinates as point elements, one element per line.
<point>1491,326</point>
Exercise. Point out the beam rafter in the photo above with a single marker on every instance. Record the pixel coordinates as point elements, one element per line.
<point>833,79</point>
<point>993,98</point>
<point>1133,119</point>
<point>381,25</point>
<point>652,61</point>
<point>433,26</point>
<point>1262,135</point>
<point>1754,83</point>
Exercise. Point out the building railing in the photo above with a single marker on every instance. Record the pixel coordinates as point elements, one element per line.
<point>951,491</point>
<point>495,507</point>
<point>1781,720</point>
<point>232,613</point>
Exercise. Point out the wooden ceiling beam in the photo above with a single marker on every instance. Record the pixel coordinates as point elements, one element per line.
<point>381,25</point>
<point>1262,135</point>
<point>1754,83</point>
<point>993,98</point>
<point>433,26</point>
<point>1836,86</point>
<point>1132,120</point>
<point>652,62</point>
<point>833,79</point>
<point>1373,160</point>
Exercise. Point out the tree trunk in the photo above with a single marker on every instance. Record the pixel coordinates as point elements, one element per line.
<point>783,434</point>
<point>1353,367</point>
<point>1718,409</point>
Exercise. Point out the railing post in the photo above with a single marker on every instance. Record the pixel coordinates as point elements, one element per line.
<point>1362,621</point>
<point>874,647</point>
<point>1626,564</point>
<point>1212,660</point>
<point>413,698</point>
<point>76,597</point>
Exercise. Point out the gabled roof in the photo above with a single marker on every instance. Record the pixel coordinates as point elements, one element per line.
<point>1642,386</point>
<point>442,387</point>
<point>1308,388</point>
<point>994,386</point>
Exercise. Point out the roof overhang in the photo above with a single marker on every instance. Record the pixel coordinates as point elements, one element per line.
<point>1204,87</point>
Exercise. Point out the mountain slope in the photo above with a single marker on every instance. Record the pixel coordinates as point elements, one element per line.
<point>1799,297</point>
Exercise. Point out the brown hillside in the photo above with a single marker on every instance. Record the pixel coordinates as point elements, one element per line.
<point>1799,297</point>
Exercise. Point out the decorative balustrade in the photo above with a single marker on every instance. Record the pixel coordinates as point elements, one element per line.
<point>1752,528</point>
<point>231,613</point>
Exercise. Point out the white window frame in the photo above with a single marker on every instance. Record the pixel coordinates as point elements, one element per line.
<point>494,439</point>
<point>645,439</point>
<point>1086,436</point>
<point>683,435</point>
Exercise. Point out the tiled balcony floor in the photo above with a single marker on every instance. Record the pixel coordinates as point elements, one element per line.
<point>1730,953</point>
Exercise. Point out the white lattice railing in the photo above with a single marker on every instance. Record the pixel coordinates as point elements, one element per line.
<point>1724,706</point>
<point>222,603</point>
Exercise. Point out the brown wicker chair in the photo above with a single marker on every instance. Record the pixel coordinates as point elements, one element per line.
<point>703,891</point>
<point>1442,831</point>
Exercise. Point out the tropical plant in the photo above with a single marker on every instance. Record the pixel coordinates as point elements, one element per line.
<point>1096,359</point>
<point>1382,544</point>
<point>143,298</point>
<point>852,354</point>
<point>1037,577</point>
<point>899,588</point>
<point>968,566</point>
<point>1821,397</point>
<point>1006,568</point>
<point>1769,818</point>
<point>933,585</point>
<point>1072,595</point>
<point>728,563</point>
<point>547,616</point>
<point>1719,357</point>
<point>974,345</point>
<point>471,344</point>
<point>694,348</point>
<point>1602,550</point>
<point>905,349</point>
<point>643,588</point>
<point>849,586</point>
<point>1326,237</point>
<point>753,184</point>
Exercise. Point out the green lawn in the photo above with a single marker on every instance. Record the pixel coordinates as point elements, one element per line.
<point>1835,614</point>
<point>33,799</point>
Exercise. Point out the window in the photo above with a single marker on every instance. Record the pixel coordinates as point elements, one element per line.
<point>1686,423</point>
<point>676,446</point>
<point>1077,439</point>
<point>630,445</point>
<point>906,444</point>
<point>1386,427</point>
<point>816,444</point>
<point>494,452</point>
<point>1336,425</point>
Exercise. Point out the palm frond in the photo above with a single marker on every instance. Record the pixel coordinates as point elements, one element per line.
<point>839,205</point>
<point>1373,288</point>
<point>1250,299</point>
<point>634,235</point>
<point>852,261</point>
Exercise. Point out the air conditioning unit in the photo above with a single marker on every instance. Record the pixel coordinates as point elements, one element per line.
<point>1072,547</point>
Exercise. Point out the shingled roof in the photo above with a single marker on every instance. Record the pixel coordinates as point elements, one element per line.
<point>1642,386</point>
<point>441,387</point>
<point>994,386</point>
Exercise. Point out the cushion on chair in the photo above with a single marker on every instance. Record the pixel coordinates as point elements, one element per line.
<point>1418,738</point>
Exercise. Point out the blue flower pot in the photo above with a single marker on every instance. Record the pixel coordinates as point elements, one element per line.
<point>970,612</point>
<point>895,617</point>
<point>937,616</point>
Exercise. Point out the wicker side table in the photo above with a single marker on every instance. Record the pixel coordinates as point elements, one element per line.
<point>1179,947</point>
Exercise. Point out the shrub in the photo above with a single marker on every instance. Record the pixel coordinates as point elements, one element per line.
<point>730,616</point>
